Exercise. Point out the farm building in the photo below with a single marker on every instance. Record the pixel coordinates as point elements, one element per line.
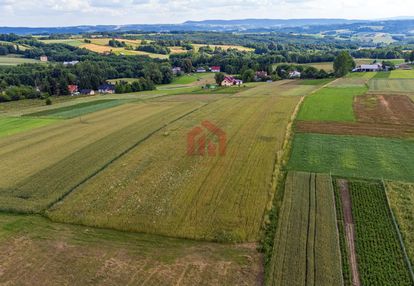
<point>260,75</point>
<point>87,92</point>
<point>215,69</point>
<point>72,88</point>
<point>230,81</point>
<point>43,58</point>
<point>106,88</point>
<point>201,70</point>
<point>294,74</point>
<point>368,68</point>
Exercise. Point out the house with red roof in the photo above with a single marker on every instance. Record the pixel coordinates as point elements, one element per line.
<point>230,81</point>
<point>72,88</point>
<point>215,69</point>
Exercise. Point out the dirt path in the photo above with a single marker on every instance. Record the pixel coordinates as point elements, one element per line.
<point>349,230</point>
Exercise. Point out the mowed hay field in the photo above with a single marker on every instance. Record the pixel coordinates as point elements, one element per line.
<point>40,166</point>
<point>306,247</point>
<point>158,188</point>
<point>34,249</point>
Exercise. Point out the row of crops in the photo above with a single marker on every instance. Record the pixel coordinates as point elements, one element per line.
<point>380,257</point>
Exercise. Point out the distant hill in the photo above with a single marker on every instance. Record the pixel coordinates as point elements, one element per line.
<point>308,26</point>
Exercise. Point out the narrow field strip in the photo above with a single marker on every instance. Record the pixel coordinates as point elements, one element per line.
<point>306,249</point>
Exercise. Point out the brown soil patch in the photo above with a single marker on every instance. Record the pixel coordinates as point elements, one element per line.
<point>386,109</point>
<point>349,230</point>
<point>358,128</point>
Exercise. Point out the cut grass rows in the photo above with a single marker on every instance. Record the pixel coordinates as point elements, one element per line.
<point>306,249</point>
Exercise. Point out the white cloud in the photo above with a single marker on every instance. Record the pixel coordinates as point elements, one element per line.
<point>76,12</point>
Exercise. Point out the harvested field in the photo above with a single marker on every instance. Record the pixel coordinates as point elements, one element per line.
<point>391,85</point>
<point>385,109</point>
<point>306,249</point>
<point>353,156</point>
<point>34,249</point>
<point>158,188</point>
<point>41,166</point>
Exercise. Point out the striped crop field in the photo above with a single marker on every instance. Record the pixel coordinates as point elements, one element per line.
<point>158,188</point>
<point>40,166</point>
<point>306,248</point>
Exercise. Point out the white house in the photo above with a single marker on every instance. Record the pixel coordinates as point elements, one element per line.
<point>201,70</point>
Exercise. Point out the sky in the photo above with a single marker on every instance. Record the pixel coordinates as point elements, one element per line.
<point>52,13</point>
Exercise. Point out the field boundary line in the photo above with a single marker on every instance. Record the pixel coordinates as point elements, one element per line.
<point>337,228</point>
<point>400,238</point>
<point>63,196</point>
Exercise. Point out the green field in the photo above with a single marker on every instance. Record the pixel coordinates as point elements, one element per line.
<point>402,74</point>
<point>32,247</point>
<point>401,198</point>
<point>70,42</point>
<point>330,104</point>
<point>392,85</point>
<point>78,109</point>
<point>185,79</point>
<point>353,156</point>
<point>10,126</point>
<point>380,256</point>
<point>306,247</point>
<point>10,60</point>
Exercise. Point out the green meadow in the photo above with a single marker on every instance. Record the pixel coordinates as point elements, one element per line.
<point>330,104</point>
<point>354,156</point>
<point>13,125</point>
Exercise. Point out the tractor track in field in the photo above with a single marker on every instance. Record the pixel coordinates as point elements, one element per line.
<point>349,230</point>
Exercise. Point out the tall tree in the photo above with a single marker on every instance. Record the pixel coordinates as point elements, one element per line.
<point>343,64</point>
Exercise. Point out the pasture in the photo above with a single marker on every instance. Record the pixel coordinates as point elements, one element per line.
<point>158,188</point>
<point>71,42</point>
<point>306,247</point>
<point>330,104</point>
<point>34,249</point>
<point>401,198</point>
<point>353,156</point>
